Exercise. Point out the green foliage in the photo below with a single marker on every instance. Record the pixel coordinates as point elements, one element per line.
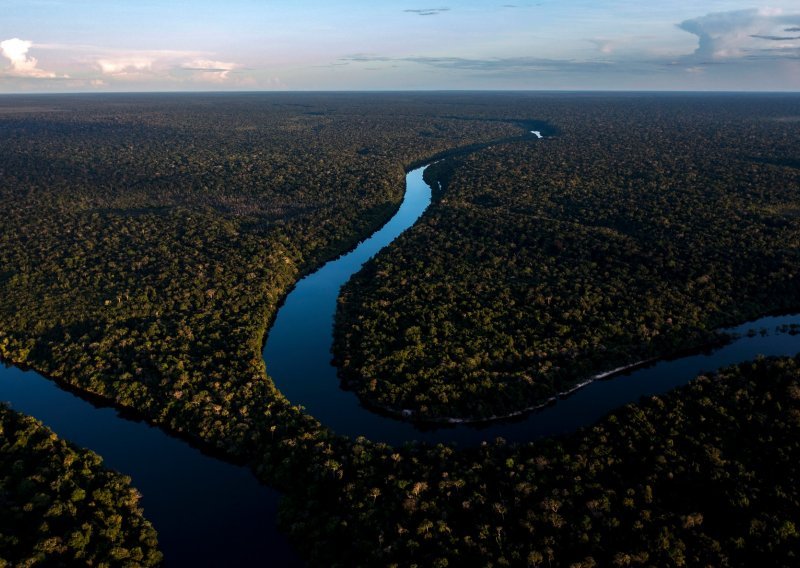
<point>704,476</point>
<point>160,234</point>
<point>61,507</point>
<point>635,233</point>
<point>147,241</point>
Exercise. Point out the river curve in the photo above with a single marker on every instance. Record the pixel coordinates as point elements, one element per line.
<point>208,511</point>
<point>298,356</point>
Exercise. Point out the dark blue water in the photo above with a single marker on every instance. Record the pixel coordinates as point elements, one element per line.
<point>298,354</point>
<point>298,349</point>
<point>207,512</point>
<point>597,399</point>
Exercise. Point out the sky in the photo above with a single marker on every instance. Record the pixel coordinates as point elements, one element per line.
<point>203,45</point>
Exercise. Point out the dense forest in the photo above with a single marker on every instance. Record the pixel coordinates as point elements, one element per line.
<point>62,507</point>
<point>704,476</point>
<point>633,234</point>
<point>160,235</point>
<point>148,240</point>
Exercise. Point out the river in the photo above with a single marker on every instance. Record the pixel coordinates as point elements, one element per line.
<point>298,359</point>
<point>208,512</point>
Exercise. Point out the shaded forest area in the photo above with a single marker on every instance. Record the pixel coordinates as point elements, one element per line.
<point>147,240</point>
<point>635,233</point>
<point>704,476</point>
<point>62,507</point>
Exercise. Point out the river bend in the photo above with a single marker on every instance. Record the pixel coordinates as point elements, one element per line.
<point>298,358</point>
<point>209,512</point>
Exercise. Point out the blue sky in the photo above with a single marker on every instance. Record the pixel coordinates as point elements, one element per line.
<point>89,45</point>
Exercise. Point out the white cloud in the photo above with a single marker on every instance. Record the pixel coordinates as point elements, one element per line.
<point>22,65</point>
<point>164,65</point>
<point>125,65</point>
<point>131,64</point>
<point>111,68</point>
<point>742,33</point>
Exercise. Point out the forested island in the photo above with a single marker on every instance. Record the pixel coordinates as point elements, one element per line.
<point>161,233</point>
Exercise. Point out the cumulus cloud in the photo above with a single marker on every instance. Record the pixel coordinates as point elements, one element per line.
<point>741,33</point>
<point>22,64</point>
<point>164,65</point>
<point>126,65</point>
<point>130,64</point>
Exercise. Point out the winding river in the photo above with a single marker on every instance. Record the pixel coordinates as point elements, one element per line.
<point>209,512</point>
<point>298,358</point>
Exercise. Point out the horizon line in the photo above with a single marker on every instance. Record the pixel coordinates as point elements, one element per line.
<point>406,91</point>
